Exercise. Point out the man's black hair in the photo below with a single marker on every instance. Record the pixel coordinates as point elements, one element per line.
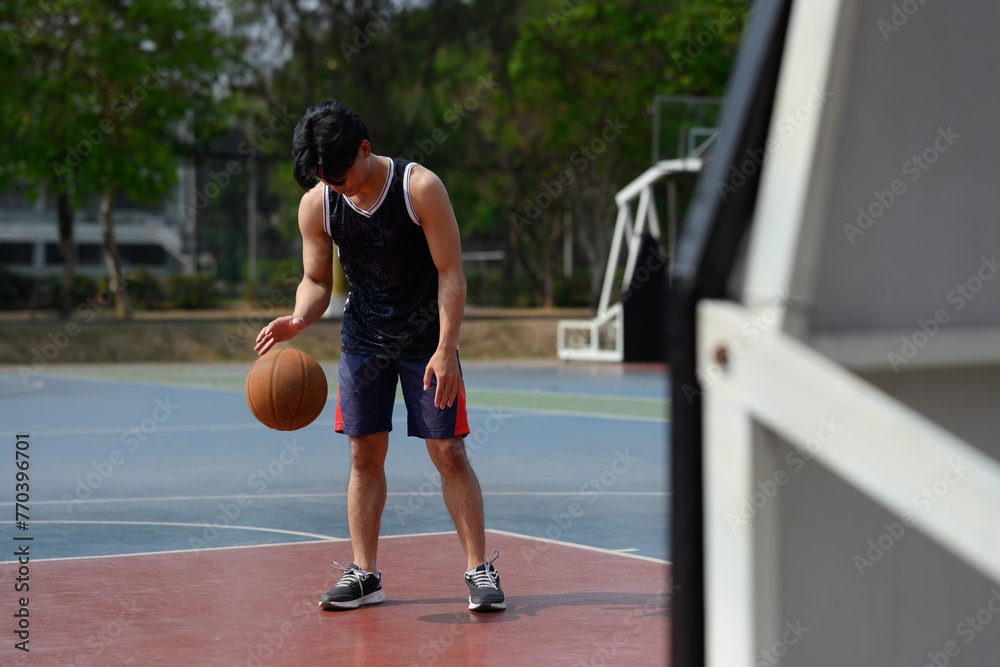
<point>329,135</point>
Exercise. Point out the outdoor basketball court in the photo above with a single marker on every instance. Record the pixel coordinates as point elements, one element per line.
<point>167,525</point>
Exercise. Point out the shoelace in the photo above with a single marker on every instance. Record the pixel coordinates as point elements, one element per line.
<point>489,576</point>
<point>347,579</point>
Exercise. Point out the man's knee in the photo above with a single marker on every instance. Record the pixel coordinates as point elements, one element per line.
<point>449,456</point>
<point>368,452</point>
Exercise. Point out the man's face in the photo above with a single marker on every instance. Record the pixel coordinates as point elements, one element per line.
<point>349,182</point>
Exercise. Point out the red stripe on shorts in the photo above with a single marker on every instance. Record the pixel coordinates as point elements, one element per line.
<point>338,420</point>
<point>462,416</point>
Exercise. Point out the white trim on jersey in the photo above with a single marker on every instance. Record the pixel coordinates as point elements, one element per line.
<point>406,193</point>
<point>381,197</point>
<point>326,210</point>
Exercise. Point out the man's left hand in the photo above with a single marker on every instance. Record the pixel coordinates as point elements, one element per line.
<point>444,366</point>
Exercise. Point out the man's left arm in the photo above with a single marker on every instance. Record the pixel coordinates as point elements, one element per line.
<point>437,218</point>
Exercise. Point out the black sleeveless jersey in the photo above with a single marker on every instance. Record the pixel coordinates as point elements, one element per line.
<point>392,306</point>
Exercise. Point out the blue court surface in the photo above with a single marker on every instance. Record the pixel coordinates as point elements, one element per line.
<point>137,474</point>
<point>151,458</point>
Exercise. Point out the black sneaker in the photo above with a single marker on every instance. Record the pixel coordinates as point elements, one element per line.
<point>484,587</point>
<point>356,588</point>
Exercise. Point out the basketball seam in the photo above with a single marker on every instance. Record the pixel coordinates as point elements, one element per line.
<point>274,399</point>
<point>302,393</point>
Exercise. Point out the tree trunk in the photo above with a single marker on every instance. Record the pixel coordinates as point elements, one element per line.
<point>67,251</point>
<point>549,291</point>
<point>593,236</point>
<point>550,252</point>
<point>596,214</point>
<point>117,284</point>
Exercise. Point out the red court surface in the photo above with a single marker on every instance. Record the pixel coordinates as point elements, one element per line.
<point>566,605</point>
<point>169,527</point>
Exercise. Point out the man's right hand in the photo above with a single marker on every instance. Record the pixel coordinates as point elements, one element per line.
<point>278,331</point>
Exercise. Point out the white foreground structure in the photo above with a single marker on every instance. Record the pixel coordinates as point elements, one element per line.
<point>852,388</point>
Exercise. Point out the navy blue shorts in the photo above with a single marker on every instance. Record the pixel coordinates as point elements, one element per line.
<point>367,392</point>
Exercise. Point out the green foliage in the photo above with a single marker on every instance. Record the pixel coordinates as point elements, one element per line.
<point>251,291</point>
<point>519,292</point>
<point>95,93</point>
<point>144,288</point>
<point>84,289</point>
<point>492,289</point>
<point>582,78</point>
<point>573,292</point>
<point>15,290</point>
<point>286,194</point>
<point>281,275</point>
<point>192,291</point>
<point>102,97</point>
<point>498,97</point>
<point>19,292</point>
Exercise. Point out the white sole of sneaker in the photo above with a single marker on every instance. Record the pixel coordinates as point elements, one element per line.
<point>500,606</point>
<point>371,598</point>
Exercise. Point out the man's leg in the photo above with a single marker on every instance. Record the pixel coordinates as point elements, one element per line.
<point>462,496</point>
<point>366,493</point>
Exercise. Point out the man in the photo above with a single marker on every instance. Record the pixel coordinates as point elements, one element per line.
<point>399,246</point>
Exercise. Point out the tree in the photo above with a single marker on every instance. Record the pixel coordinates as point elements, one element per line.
<point>97,92</point>
<point>379,57</point>
<point>583,75</point>
<point>534,112</point>
<point>37,117</point>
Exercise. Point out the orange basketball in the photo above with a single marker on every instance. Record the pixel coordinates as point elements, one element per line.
<point>286,389</point>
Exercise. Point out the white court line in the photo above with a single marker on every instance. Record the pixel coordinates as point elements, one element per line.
<point>23,388</point>
<point>279,496</point>
<point>192,525</point>
<point>560,394</point>
<point>569,413</point>
<point>238,546</point>
<point>182,551</point>
<point>159,429</point>
<point>324,538</point>
<point>578,546</point>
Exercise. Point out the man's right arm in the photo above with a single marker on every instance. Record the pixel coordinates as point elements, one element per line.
<point>313,294</point>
